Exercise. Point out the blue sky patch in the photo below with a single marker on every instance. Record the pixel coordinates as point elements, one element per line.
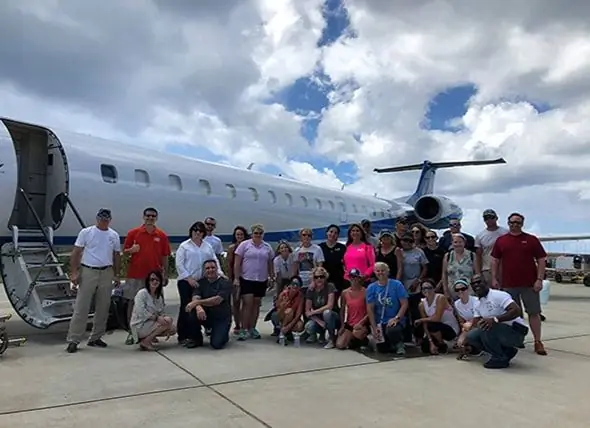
<point>447,105</point>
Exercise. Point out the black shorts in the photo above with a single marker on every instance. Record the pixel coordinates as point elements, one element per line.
<point>445,330</point>
<point>255,288</point>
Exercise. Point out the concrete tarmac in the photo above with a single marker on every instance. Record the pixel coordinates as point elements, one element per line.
<point>259,384</point>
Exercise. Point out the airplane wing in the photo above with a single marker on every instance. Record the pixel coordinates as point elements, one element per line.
<point>557,238</point>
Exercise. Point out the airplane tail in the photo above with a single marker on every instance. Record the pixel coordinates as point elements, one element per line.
<point>426,182</point>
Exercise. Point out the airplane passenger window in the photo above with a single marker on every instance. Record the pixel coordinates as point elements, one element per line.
<point>332,206</point>
<point>109,173</point>
<point>175,182</point>
<point>304,200</point>
<point>363,208</point>
<point>342,207</point>
<point>318,203</point>
<point>205,187</point>
<point>289,199</point>
<point>254,193</point>
<point>273,197</point>
<point>232,190</point>
<point>354,208</point>
<point>142,178</point>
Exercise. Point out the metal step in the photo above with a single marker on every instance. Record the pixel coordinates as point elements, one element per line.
<point>58,300</point>
<point>60,280</point>
<point>43,265</point>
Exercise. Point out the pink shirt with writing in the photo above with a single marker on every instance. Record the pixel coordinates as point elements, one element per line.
<point>255,260</point>
<point>361,257</point>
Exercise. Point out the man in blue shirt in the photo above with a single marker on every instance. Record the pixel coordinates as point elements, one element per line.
<point>387,303</point>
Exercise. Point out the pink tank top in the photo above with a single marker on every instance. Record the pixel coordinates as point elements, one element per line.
<point>356,308</point>
<point>361,257</point>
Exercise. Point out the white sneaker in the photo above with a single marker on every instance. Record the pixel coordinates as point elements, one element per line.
<point>329,345</point>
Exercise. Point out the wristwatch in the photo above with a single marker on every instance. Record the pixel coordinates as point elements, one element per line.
<point>496,320</point>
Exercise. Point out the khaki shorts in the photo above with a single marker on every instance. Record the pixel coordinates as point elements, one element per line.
<point>131,287</point>
<point>527,298</point>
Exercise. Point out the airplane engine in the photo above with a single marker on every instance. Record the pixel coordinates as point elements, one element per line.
<point>435,212</point>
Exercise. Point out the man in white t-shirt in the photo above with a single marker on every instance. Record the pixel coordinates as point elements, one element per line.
<point>95,264</point>
<point>484,244</point>
<point>500,329</point>
<point>211,239</point>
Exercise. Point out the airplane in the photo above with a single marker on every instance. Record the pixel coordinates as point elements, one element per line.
<point>54,182</point>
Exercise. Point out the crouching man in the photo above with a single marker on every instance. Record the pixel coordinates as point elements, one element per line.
<point>498,326</point>
<point>210,308</point>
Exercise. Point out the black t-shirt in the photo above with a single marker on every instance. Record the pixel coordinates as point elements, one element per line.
<point>333,263</point>
<point>390,259</point>
<point>220,287</point>
<point>435,261</point>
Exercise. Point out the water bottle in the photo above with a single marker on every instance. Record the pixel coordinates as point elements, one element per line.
<point>545,293</point>
<point>297,339</point>
<point>282,339</point>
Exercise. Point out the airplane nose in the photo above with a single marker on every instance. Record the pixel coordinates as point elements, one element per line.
<point>8,176</point>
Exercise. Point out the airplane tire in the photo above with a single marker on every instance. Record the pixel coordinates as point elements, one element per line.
<point>558,277</point>
<point>587,280</point>
<point>3,342</point>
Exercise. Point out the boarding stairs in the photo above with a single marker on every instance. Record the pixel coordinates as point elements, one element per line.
<point>34,277</point>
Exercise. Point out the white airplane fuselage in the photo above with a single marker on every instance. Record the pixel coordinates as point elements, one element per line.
<point>97,173</point>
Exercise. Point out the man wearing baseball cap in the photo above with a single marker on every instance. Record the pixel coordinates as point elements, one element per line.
<point>95,264</point>
<point>484,244</point>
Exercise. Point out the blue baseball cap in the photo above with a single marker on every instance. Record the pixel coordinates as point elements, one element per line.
<point>354,273</point>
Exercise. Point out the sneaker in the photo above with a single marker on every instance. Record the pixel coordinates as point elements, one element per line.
<point>97,343</point>
<point>129,340</point>
<point>400,349</point>
<point>72,347</point>
<point>539,348</point>
<point>255,334</point>
<point>313,338</point>
<point>496,364</point>
<point>329,345</point>
<point>511,353</point>
<point>242,335</point>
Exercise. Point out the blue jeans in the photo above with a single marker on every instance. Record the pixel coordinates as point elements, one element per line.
<point>500,341</point>
<point>332,320</point>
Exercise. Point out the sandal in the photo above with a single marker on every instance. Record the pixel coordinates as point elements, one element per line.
<point>145,347</point>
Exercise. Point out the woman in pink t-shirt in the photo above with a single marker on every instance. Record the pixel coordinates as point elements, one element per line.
<point>359,254</point>
<point>353,309</point>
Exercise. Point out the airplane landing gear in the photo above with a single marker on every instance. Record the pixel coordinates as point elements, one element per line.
<point>5,341</point>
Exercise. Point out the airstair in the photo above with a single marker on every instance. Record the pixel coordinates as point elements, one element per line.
<point>34,277</point>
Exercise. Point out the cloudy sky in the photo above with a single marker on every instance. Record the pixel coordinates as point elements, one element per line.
<point>325,91</point>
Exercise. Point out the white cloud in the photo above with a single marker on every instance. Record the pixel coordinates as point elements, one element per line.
<point>173,73</point>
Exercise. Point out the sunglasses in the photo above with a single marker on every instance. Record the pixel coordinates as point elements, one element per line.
<point>415,231</point>
<point>489,217</point>
<point>210,224</point>
<point>515,223</point>
<point>454,225</point>
<point>460,289</point>
<point>154,279</point>
<point>431,237</point>
<point>427,288</point>
<point>319,277</point>
<point>306,234</point>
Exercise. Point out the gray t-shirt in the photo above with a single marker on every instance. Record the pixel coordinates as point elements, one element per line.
<point>306,258</point>
<point>486,240</point>
<point>413,261</point>
<point>319,298</point>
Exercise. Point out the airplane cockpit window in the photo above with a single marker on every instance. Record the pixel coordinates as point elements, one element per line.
<point>175,182</point>
<point>204,187</point>
<point>232,190</point>
<point>289,199</point>
<point>142,178</point>
<point>318,204</point>
<point>109,173</point>
<point>304,201</point>
<point>273,196</point>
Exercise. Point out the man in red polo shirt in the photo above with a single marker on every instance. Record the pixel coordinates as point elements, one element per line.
<point>149,249</point>
<point>522,260</point>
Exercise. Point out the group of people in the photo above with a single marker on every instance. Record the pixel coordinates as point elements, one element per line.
<point>383,292</point>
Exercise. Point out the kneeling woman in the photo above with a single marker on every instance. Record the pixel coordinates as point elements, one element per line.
<point>319,309</point>
<point>147,319</point>
<point>438,319</point>
<point>289,306</point>
<point>387,304</point>
<point>353,309</point>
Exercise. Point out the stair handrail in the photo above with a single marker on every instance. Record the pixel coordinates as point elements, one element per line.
<point>38,220</point>
<point>74,210</point>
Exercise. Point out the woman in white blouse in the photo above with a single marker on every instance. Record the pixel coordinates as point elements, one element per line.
<point>148,320</point>
<point>190,256</point>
